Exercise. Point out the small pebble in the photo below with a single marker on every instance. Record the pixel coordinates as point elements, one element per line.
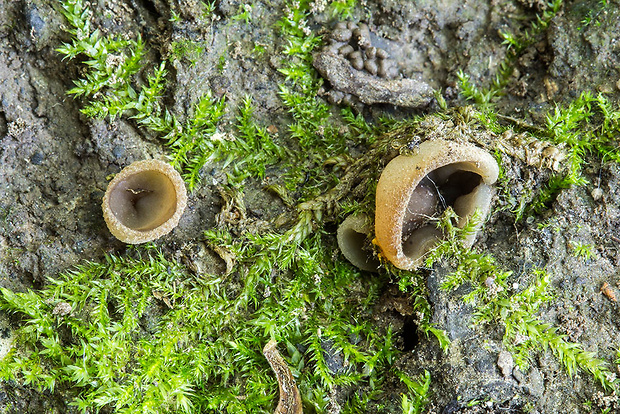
<point>118,151</point>
<point>505,363</point>
<point>518,375</point>
<point>355,55</point>
<point>37,158</point>
<point>345,50</point>
<point>609,292</point>
<point>348,99</point>
<point>341,35</point>
<point>335,97</point>
<point>357,63</point>
<point>331,48</point>
<point>351,26</point>
<point>34,19</point>
<point>371,66</point>
<point>382,54</point>
<point>371,52</point>
<point>382,68</point>
<point>341,25</point>
<point>489,282</point>
<point>363,38</point>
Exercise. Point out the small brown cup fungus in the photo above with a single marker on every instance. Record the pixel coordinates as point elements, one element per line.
<point>354,242</point>
<point>144,201</point>
<point>414,189</point>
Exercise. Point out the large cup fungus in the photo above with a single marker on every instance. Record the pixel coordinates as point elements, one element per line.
<point>414,189</point>
<point>144,201</point>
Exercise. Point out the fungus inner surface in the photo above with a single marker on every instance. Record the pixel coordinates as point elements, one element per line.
<point>353,246</point>
<point>441,188</point>
<point>144,200</point>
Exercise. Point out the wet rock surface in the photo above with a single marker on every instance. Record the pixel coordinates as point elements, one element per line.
<point>55,164</point>
<point>366,87</point>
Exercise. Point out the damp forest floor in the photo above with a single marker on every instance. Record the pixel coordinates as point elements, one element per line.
<point>526,321</point>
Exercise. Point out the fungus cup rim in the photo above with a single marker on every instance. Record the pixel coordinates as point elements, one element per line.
<point>393,195</point>
<point>132,236</point>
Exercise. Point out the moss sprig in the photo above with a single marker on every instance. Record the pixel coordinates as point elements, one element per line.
<point>494,302</point>
<point>418,389</point>
<point>112,62</point>
<point>587,127</point>
<point>515,43</point>
<point>113,90</point>
<point>89,329</point>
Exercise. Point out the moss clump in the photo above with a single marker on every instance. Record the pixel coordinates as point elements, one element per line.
<point>495,302</point>
<point>141,333</point>
<point>113,89</point>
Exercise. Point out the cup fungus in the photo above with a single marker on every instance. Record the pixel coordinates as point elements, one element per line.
<point>144,201</point>
<point>354,242</point>
<point>415,189</point>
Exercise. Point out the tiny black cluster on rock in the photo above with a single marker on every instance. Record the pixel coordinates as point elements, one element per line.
<point>354,43</point>
<point>360,71</point>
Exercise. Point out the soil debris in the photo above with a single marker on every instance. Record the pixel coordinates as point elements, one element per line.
<point>608,292</point>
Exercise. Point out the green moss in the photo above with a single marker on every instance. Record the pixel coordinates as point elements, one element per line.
<point>343,9</point>
<point>312,130</point>
<point>593,14</point>
<point>515,43</point>
<point>254,146</point>
<point>417,398</point>
<point>88,329</point>
<point>495,302</point>
<point>244,13</point>
<point>186,49</point>
<point>579,249</point>
<point>209,8</point>
<point>586,127</point>
<point>192,143</point>
<point>111,61</point>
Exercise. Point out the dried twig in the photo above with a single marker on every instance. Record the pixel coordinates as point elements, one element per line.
<point>290,399</point>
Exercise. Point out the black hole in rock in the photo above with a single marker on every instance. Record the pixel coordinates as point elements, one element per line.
<point>331,227</point>
<point>410,335</point>
<point>5,333</point>
<point>31,280</point>
<point>3,124</point>
<point>151,8</point>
